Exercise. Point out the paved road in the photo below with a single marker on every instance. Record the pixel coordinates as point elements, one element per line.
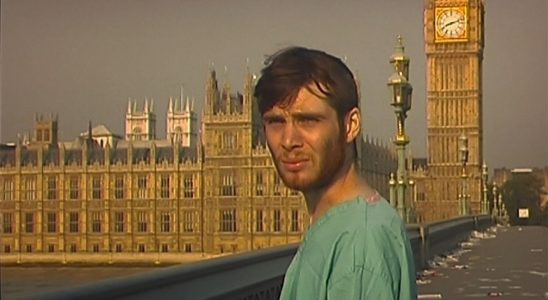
<point>503,263</point>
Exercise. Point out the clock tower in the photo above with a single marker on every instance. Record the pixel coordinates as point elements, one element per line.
<point>454,41</point>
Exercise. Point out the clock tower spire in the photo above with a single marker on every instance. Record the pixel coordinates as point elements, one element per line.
<point>454,44</point>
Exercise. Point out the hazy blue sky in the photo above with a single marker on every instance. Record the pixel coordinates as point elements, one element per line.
<point>82,59</point>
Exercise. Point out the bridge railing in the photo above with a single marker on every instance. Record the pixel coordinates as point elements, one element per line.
<point>257,274</point>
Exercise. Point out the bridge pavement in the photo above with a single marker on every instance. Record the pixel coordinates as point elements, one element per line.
<point>503,263</point>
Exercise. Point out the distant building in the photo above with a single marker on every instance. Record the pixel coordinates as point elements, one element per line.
<point>212,189</point>
<point>101,135</point>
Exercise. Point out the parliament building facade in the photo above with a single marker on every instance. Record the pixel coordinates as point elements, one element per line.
<point>211,188</point>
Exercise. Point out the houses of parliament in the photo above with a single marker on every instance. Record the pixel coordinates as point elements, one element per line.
<point>211,188</point>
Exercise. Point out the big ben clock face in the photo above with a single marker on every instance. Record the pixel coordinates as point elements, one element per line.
<point>451,24</point>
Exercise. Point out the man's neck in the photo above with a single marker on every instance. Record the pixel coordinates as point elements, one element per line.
<point>346,186</point>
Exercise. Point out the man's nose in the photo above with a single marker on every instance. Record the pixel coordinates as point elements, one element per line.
<point>291,137</point>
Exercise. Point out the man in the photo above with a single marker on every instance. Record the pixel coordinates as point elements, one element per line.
<point>356,246</point>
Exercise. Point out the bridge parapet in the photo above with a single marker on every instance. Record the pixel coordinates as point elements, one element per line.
<point>255,275</point>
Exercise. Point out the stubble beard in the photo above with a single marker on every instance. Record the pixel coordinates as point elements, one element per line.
<point>323,171</point>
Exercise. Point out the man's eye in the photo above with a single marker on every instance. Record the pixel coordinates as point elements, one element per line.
<point>309,120</point>
<point>273,121</point>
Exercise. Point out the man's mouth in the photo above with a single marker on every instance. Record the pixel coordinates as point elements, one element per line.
<point>294,165</point>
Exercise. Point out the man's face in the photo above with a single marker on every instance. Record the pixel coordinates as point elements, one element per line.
<point>305,140</point>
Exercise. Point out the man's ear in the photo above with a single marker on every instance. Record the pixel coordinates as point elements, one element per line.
<point>353,124</point>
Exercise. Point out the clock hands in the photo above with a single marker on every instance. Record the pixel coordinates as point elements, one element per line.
<point>449,23</point>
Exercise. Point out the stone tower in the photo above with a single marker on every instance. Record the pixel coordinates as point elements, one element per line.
<point>228,137</point>
<point>454,41</point>
<point>140,125</point>
<point>181,122</point>
<point>45,130</point>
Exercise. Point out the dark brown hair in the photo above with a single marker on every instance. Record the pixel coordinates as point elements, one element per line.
<point>291,69</point>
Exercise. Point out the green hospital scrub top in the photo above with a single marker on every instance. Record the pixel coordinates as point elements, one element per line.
<point>357,250</point>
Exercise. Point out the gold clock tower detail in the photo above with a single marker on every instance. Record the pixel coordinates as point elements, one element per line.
<point>454,44</point>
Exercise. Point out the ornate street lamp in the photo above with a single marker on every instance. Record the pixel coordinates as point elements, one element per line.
<point>401,91</point>
<point>392,184</point>
<point>412,212</point>
<point>463,151</point>
<point>495,212</point>
<point>484,175</point>
<point>501,207</point>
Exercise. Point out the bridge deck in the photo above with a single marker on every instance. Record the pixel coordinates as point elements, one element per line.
<point>507,262</point>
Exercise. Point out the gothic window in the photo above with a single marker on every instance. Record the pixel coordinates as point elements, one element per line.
<point>51,191</point>
<point>188,221</point>
<point>227,220</point>
<point>7,222</point>
<point>29,188</point>
<point>74,187</point>
<point>96,183</point>
<point>259,184</point>
<point>142,187</point>
<point>295,220</point>
<point>119,187</point>
<point>277,226</point>
<point>7,187</point>
<point>165,222</point>
<point>277,187</point>
<point>96,222</point>
<point>73,222</point>
<point>229,140</point>
<point>29,222</point>
<point>137,134</point>
<point>51,222</point>
<point>118,222</point>
<point>46,135</point>
<point>259,221</point>
<point>188,186</point>
<point>177,134</point>
<point>228,187</point>
<point>142,221</point>
<point>38,135</point>
<point>164,186</point>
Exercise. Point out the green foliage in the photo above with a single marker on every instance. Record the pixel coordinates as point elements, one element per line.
<point>524,191</point>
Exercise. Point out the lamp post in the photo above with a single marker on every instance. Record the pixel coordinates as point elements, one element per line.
<point>401,91</point>
<point>500,206</point>
<point>494,212</point>
<point>412,212</point>
<point>484,175</point>
<point>463,151</point>
<point>392,185</point>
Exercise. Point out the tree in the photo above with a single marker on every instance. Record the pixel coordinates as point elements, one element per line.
<point>525,191</point>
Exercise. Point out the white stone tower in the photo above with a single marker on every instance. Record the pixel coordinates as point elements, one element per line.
<point>181,122</point>
<point>140,125</point>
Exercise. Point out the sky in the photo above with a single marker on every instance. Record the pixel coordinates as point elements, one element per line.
<point>83,59</point>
